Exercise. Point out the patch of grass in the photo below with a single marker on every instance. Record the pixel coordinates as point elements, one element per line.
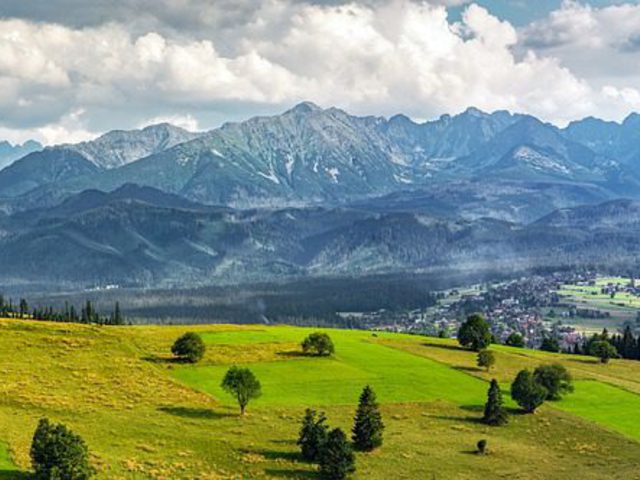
<point>396,376</point>
<point>605,404</point>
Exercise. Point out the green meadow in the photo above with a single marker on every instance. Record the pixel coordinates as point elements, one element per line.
<point>360,360</point>
<point>146,417</point>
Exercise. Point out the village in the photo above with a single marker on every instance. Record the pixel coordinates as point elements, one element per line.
<point>530,306</point>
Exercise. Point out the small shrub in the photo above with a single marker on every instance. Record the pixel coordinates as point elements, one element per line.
<point>482,447</point>
<point>603,350</point>
<point>550,344</point>
<point>486,359</point>
<point>189,347</point>
<point>515,340</point>
<point>318,344</point>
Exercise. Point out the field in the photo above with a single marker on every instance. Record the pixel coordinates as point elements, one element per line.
<point>623,307</point>
<point>144,416</point>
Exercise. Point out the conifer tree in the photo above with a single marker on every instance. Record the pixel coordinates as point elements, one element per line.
<point>313,435</point>
<point>627,344</point>
<point>368,425</point>
<point>337,460</point>
<point>494,412</point>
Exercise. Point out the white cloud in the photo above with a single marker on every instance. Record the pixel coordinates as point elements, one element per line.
<point>188,122</point>
<point>373,56</point>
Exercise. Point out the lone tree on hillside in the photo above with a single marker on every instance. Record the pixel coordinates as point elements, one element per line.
<point>337,460</point>
<point>313,435</point>
<point>526,392</point>
<point>318,344</point>
<point>555,379</point>
<point>242,383</point>
<point>475,333</point>
<point>58,453</point>
<point>494,412</point>
<point>368,425</point>
<point>515,340</point>
<point>603,350</point>
<point>486,359</point>
<point>189,347</point>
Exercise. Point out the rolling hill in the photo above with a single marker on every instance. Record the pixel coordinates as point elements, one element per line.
<point>144,416</point>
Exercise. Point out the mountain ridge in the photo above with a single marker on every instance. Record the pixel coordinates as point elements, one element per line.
<point>311,155</point>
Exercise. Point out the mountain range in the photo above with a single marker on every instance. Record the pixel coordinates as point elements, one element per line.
<point>319,192</point>
<point>9,153</point>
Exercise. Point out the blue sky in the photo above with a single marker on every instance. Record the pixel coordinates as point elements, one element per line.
<point>198,63</point>
<point>522,12</point>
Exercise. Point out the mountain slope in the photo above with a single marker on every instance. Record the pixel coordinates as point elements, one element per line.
<point>532,150</point>
<point>139,236</point>
<point>10,153</point>
<point>62,164</point>
<point>617,140</point>
<point>120,147</point>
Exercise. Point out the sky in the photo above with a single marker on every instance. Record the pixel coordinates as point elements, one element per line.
<point>72,69</point>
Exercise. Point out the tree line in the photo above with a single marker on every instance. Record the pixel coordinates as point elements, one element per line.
<point>86,314</point>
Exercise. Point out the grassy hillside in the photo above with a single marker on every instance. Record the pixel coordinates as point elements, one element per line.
<point>144,416</point>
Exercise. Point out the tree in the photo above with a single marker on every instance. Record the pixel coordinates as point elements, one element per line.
<point>550,344</point>
<point>337,460</point>
<point>368,425</point>
<point>189,347</point>
<point>117,318</point>
<point>515,340</point>
<point>555,379</point>
<point>627,348</point>
<point>603,350</point>
<point>318,344</point>
<point>24,307</point>
<point>481,447</point>
<point>475,333</point>
<point>313,435</point>
<point>494,412</point>
<point>59,454</point>
<point>242,383</point>
<point>486,359</point>
<point>526,392</point>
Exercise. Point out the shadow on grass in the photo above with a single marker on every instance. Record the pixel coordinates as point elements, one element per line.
<point>472,408</point>
<point>469,369</point>
<point>284,442</point>
<point>14,475</point>
<point>277,455</point>
<point>477,410</point>
<point>165,360</point>
<point>298,473</point>
<point>588,361</point>
<point>460,418</point>
<point>471,452</point>
<point>446,347</point>
<point>195,413</point>
<point>293,354</point>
